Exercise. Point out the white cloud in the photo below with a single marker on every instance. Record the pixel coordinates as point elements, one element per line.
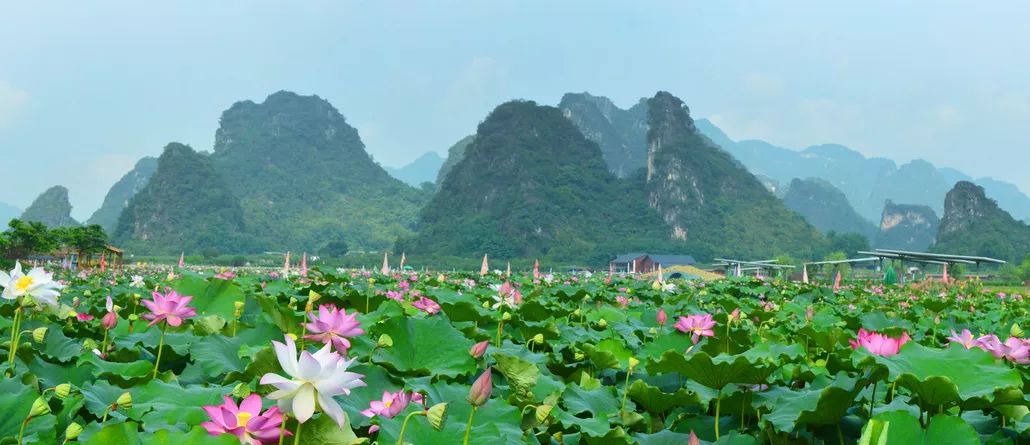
<point>12,100</point>
<point>763,84</point>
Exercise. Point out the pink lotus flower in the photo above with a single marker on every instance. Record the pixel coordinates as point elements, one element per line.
<point>479,349</point>
<point>245,421</point>
<point>389,406</point>
<point>171,308</point>
<point>662,317</point>
<point>225,275</point>
<point>333,325</point>
<point>965,339</point>
<point>83,317</point>
<point>426,305</point>
<point>879,344</point>
<point>623,301</point>
<point>697,325</point>
<point>110,319</point>
<point>1014,349</point>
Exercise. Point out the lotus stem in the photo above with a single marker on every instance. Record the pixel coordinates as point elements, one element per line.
<point>840,434</point>
<point>296,435</point>
<point>160,347</point>
<point>872,401</point>
<point>282,429</point>
<point>15,336</point>
<point>468,426</point>
<point>500,328</point>
<point>625,392</point>
<point>103,344</point>
<point>718,405</point>
<point>404,426</point>
<point>21,432</point>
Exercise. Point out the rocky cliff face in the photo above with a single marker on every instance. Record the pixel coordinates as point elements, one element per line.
<point>621,134</point>
<point>708,199</point>
<point>973,224</point>
<point>121,192</point>
<point>907,227</point>
<point>454,155</point>
<point>51,208</point>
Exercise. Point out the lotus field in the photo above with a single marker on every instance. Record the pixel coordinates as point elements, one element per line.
<point>176,356</point>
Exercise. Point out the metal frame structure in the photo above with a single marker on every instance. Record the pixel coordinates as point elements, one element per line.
<point>738,271</point>
<point>929,258</point>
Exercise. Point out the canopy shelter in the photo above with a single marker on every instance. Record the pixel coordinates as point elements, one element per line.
<point>738,267</point>
<point>930,258</point>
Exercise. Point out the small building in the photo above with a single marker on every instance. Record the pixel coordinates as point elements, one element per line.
<point>646,262</point>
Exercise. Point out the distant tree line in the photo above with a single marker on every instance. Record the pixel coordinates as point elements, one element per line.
<point>26,238</point>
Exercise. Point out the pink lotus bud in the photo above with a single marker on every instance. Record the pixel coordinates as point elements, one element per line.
<point>479,349</point>
<point>693,440</point>
<point>481,388</point>
<point>662,317</point>
<point>110,320</point>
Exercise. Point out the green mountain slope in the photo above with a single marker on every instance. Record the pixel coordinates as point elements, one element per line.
<point>185,206</point>
<point>51,208</point>
<point>454,155</point>
<point>621,134</point>
<point>709,199</point>
<point>973,224</point>
<point>907,227</point>
<point>121,192</point>
<point>826,207</point>
<point>531,185</point>
<point>304,179</point>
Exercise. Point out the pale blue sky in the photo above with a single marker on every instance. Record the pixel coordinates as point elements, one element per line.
<point>87,88</point>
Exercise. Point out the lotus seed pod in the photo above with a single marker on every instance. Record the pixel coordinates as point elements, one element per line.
<point>62,390</point>
<point>579,356</point>
<point>385,341</point>
<point>293,303</point>
<point>633,362</point>
<point>506,316</point>
<point>39,408</point>
<point>241,391</point>
<point>124,400</point>
<point>314,296</point>
<point>652,331</point>
<point>292,336</point>
<point>1015,330</point>
<point>89,344</point>
<point>602,323</point>
<point>238,305</point>
<point>577,312</point>
<point>486,305</point>
<point>39,334</point>
<point>437,416</point>
<point>133,317</point>
<point>72,432</point>
<point>538,339</point>
<point>543,412</point>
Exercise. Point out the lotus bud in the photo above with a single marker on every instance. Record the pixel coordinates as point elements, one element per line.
<point>39,334</point>
<point>62,390</point>
<point>480,391</point>
<point>124,400</point>
<point>437,416</point>
<point>440,278</point>
<point>39,408</point>
<point>241,391</point>
<point>602,323</point>
<point>633,362</point>
<point>538,339</point>
<point>76,302</point>
<point>735,315</point>
<point>506,316</point>
<point>109,321</point>
<point>72,432</point>
<point>477,350</point>
<point>385,341</point>
<point>662,317</point>
<point>543,412</point>
<point>693,440</point>
<point>809,313</point>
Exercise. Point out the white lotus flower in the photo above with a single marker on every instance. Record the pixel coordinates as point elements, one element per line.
<point>507,300</point>
<point>314,380</point>
<point>137,281</point>
<point>668,287</point>
<point>38,284</point>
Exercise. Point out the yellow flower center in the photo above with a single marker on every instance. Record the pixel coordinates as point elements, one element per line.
<point>388,403</point>
<point>242,418</point>
<point>23,283</point>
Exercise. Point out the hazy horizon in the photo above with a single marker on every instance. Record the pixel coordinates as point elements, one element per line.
<point>90,89</point>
